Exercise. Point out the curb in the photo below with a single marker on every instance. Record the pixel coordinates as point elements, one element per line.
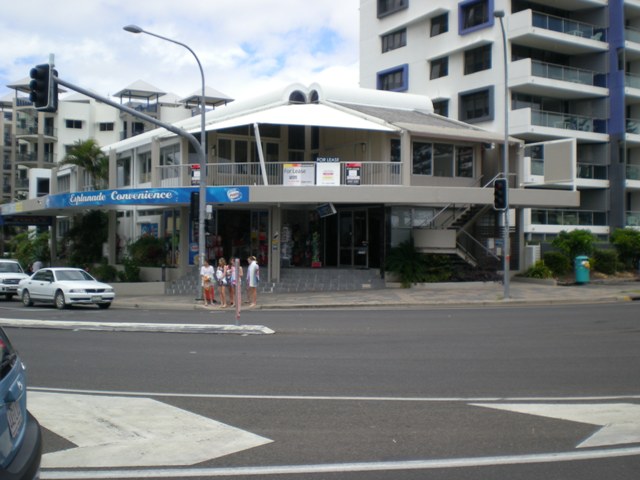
<point>138,327</point>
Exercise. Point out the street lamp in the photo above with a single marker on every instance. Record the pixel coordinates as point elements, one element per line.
<point>202,207</point>
<point>499,14</point>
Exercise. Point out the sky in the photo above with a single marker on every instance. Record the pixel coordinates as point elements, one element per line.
<point>246,47</point>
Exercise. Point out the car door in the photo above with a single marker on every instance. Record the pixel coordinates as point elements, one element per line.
<point>40,285</point>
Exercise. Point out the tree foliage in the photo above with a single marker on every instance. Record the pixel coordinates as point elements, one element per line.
<point>88,155</point>
<point>27,247</point>
<point>574,243</point>
<point>84,240</point>
<point>627,243</point>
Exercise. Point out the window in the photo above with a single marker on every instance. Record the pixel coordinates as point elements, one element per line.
<point>476,106</point>
<point>422,158</point>
<point>107,126</point>
<point>144,163</point>
<point>441,107</point>
<point>395,79</point>
<point>464,162</point>
<point>73,124</point>
<point>473,15</point>
<point>440,24</point>
<point>394,40</point>
<point>396,151</point>
<point>123,175</point>
<point>477,59</point>
<point>439,68</point>
<point>442,160</point>
<point>386,7</point>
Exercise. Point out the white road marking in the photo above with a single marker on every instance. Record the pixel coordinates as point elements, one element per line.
<point>620,422</point>
<point>132,432</point>
<point>345,467</point>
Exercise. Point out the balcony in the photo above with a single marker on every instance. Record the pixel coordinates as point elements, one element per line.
<point>532,124</point>
<point>550,80</point>
<point>550,32</point>
<point>633,219</point>
<point>553,221</point>
<point>243,174</point>
<point>632,177</point>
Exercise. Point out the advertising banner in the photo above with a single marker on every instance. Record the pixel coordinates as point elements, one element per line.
<point>353,173</point>
<point>328,171</point>
<point>298,174</point>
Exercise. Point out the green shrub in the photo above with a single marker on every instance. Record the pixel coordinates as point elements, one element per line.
<point>539,270</point>
<point>627,243</point>
<point>406,262</point>
<point>558,263</point>
<point>131,272</point>
<point>147,251</point>
<point>105,272</point>
<point>574,243</point>
<point>605,261</point>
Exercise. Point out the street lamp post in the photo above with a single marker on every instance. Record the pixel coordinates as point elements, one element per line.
<point>202,207</point>
<point>499,14</point>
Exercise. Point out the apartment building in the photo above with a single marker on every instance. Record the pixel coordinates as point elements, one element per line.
<point>573,76</point>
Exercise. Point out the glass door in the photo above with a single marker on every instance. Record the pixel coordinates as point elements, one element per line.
<point>353,238</point>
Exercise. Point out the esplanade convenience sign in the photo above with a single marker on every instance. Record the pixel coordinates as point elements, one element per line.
<point>145,196</point>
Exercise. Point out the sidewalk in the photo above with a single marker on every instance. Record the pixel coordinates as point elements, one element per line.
<point>445,294</point>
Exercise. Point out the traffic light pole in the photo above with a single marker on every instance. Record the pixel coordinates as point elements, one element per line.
<point>178,131</point>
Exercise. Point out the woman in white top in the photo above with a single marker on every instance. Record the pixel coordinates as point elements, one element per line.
<point>206,277</point>
<point>253,277</point>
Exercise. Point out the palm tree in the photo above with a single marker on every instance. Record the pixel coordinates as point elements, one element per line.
<point>88,155</point>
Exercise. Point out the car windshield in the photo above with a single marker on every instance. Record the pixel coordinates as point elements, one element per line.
<point>73,275</point>
<point>10,267</point>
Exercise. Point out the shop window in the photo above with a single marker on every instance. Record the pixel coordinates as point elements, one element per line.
<point>440,24</point>
<point>395,79</point>
<point>439,68</point>
<point>422,157</point>
<point>464,162</point>
<point>394,40</point>
<point>442,160</point>
<point>477,59</point>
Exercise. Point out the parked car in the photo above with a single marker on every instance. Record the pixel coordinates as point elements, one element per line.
<point>20,435</point>
<point>10,275</point>
<point>64,287</point>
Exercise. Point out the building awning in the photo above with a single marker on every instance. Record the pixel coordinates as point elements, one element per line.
<point>315,115</point>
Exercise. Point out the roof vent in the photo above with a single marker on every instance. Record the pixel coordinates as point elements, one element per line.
<point>297,97</point>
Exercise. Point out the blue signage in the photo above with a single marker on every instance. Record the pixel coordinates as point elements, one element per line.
<point>145,196</point>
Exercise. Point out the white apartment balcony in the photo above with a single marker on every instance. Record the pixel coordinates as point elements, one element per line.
<point>633,178</point>
<point>535,125</point>
<point>558,34</point>
<point>632,88</point>
<point>555,220</point>
<point>546,79</point>
<point>588,176</point>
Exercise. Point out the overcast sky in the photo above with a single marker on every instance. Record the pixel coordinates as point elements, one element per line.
<point>246,47</point>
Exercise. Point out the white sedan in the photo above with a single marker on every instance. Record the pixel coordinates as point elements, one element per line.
<point>64,287</point>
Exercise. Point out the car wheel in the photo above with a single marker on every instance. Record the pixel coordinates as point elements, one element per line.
<point>26,299</point>
<point>104,306</point>
<point>59,300</point>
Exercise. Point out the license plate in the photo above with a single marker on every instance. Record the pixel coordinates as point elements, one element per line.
<point>14,418</point>
<point>96,298</point>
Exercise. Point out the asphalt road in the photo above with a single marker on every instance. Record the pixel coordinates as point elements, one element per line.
<point>449,393</point>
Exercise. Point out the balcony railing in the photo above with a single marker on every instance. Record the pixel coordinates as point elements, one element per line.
<point>565,25</point>
<point>370,173</point>
<point>632,125</point>
<point>565,74</point>
<point>633,172</point>
<point>568,217</point>
<point>633,219</point>
<point>591,171</point>
<point>632,35</point>
<point>568,122</point>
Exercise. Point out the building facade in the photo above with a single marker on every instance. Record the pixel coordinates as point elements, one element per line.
<point>311,177</point>
<point>572,76</point>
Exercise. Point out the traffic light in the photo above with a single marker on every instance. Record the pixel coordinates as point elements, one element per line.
<point>500,198</point>
<point>195,206</point>
<point>43,88</point>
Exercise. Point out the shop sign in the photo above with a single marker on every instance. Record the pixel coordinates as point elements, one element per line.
<point>328,171</point>
<point>298,174</point>
<point>353,173</point>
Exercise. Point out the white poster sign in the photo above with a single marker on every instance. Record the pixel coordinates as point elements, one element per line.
<point>298,174</point>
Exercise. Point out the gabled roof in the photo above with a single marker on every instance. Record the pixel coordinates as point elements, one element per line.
<point>211,97</point>
<point>140,89</point>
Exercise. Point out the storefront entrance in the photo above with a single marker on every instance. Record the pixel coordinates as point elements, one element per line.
<point>353,235</point>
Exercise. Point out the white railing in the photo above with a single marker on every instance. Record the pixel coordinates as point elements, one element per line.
<point>223,174</point>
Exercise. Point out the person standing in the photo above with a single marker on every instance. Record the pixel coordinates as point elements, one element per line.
<point>221,277</point>
<point>37,265</point>
<point>206,277</point>
<point>253,277</point>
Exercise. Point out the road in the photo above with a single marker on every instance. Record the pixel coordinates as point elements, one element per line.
<point>459,393</point>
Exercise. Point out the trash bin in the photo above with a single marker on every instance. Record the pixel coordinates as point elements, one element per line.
<point>582,267</point>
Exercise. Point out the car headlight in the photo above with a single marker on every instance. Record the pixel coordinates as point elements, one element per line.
<point>77,290</point>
